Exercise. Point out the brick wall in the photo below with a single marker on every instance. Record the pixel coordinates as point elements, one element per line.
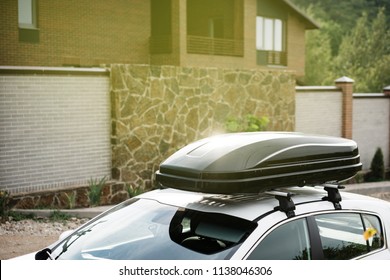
<point>75,32</point>
<point>54,128</point>
<point>336,111</point>
<point>91,32</point>
<point>371,124</point>
<point>319,110</point>
<point>296,45</point>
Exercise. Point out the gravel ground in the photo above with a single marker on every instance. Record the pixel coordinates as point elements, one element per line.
<point>26,236</point>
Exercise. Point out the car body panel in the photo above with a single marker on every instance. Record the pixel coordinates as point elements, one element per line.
<point>260,208</point>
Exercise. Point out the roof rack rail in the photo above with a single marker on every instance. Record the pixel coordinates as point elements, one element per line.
<point>333,194</point>
<point>286,204</point>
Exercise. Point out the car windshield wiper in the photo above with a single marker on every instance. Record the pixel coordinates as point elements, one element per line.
<point>46,253</point>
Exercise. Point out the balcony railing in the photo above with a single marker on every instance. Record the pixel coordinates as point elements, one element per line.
<point>271,58</point>
<point>214,46</point>
<point>160,44</point>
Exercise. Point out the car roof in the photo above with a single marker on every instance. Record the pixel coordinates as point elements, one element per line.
<point>246,206</point>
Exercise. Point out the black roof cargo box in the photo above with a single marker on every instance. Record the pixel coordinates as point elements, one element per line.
<point>259,161</point>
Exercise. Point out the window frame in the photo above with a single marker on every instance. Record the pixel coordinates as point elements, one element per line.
<point>314,235</point>
<point>360,215</point>
<point>271,52</point>
<point>263,33</point>
<point>33,13</point>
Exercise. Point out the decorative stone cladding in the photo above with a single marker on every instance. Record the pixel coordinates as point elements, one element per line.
<point>159,109</point>
<point>112,193</point>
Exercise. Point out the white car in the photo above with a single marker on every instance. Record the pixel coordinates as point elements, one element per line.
<point>242,196</point>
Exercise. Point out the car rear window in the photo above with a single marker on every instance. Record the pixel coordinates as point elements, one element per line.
<point>146,229</point>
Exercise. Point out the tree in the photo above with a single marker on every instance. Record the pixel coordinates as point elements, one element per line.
<point>365,55</point>
<point>249,123</point>
<point>357,33</point>
<point>318,57</point>
<point>377,170</point>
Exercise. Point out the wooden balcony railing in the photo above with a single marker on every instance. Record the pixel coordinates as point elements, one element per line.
<point>214,46</point>
<point>271,58</point>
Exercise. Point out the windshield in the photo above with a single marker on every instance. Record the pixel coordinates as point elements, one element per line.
<point>145,229</point>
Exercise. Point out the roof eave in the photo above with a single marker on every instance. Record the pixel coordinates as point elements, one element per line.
<point>309,23</point>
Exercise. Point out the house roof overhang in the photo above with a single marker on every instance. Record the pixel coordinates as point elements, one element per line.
<point>309,23</point>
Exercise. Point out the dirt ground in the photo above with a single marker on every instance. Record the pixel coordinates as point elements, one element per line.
<point>26,236</point>
<point>17,245</point>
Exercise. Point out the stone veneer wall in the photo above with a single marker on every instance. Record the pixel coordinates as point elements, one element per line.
<point>112,193</point>
<point>159,109</point>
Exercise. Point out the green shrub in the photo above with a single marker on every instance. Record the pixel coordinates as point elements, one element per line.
<point>249,123</point>
<point>133,191</point>
<point>95,190</point>
<point>4,203</point>
<point>58,216</point>
<point>17,216</point>
<point>71,198</point>
<point>377,169</point>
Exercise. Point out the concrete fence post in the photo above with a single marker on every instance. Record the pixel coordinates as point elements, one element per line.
<point>346,86</point>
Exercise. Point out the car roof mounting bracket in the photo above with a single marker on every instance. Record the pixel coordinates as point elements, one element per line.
<point>333,194</point>
<point>286,204</point>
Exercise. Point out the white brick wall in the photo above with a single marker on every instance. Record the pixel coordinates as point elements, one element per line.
<point>54,130</point>
<point>318,110</point>
<point>371,124</point>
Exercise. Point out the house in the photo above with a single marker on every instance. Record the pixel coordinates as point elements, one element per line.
<point>220,33</point>
<point>177,70</point>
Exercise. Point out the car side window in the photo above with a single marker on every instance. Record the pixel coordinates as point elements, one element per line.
<point>290,241</point>
<point>348,235</point>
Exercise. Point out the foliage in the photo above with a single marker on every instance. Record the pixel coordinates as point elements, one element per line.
<point>71,199</point>
<point>133,191</point>
<point>95,190</point>
<point>377,169</point>
<point>318,55</point>
<point>4,203</point>
<point>249,123</point>
<point>345,12</point>
<point>365,55</point>
<point>57,216</point>
<point>353,41</point>
<point>17,216</point>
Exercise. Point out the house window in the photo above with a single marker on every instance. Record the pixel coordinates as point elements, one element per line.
<point>27,13</point>
<point>28,21</point>
<point>269,35</point>
<point>270,41</point>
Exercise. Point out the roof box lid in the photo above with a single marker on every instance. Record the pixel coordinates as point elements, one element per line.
<point>259,161</point>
